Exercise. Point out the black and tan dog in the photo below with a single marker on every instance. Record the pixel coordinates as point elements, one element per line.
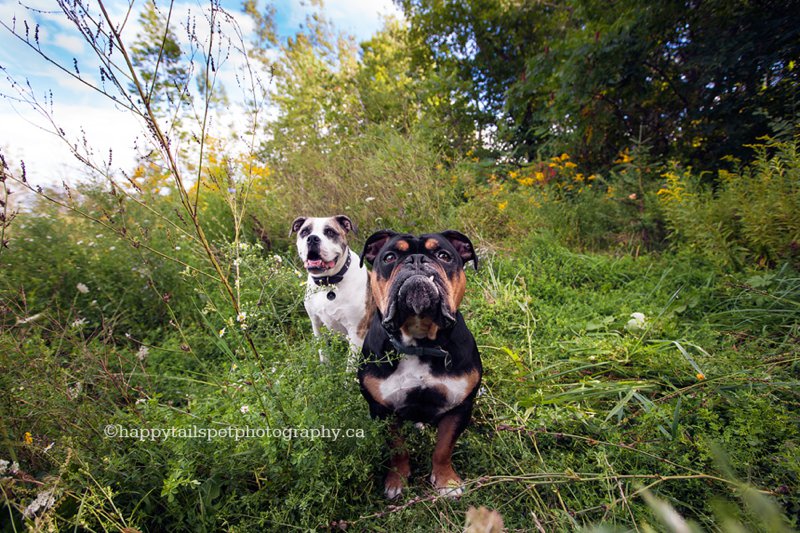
<point>419,360</point>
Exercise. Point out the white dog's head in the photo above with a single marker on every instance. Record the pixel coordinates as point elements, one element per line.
<point>322,243</point>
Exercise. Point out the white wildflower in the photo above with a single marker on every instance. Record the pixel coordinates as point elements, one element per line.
<point>3,466</point>
<point>44,500</point>
<point>112,248</point>
<point>14,468</point>
<point>369,199</point>
<point>241,317</point>
<point>142,353</point>
<point>78,323</point>
<point>74,391</point>
<point>83,289</point>
<point>177,247</point>
<point>244,409</point>
<point>278,259</point>
<point>637,323</point>
<point>222,332</point>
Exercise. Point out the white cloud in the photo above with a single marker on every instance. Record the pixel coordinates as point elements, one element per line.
<point>70,43</point>
<point>48,158</point>
<point>361,18</point>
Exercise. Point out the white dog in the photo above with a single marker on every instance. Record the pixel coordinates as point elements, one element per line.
<point>336,293</point>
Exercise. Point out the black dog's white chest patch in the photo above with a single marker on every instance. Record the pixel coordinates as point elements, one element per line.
<point>413,376</point>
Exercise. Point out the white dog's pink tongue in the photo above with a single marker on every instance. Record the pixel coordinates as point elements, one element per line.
<point>319,263</point>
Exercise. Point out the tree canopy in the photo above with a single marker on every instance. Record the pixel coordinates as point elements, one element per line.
<point>695,80</point>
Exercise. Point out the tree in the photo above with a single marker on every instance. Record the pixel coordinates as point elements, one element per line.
<point>156,55</point>
<point>696,80</point>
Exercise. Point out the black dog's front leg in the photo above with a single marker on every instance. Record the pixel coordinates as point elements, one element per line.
<point>399,468</point>
<point>451,425</point>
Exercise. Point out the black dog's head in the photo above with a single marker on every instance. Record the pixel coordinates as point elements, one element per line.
<point>418,283</point>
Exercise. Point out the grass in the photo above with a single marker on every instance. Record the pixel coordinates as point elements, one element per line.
<point>582,422</point>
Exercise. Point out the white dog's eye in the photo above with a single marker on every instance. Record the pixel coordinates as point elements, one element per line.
<point>444,256</point>
<point>389,258</point>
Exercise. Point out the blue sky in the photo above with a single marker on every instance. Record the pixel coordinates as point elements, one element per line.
<point>79,110</point>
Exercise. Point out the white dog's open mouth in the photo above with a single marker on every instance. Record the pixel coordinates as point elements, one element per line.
<point>319,264</point>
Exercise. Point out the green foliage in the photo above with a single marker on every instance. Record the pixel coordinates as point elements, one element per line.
<point>380,178</point>
<point>751,218</point>
<point>580,409</point>
<point>700,79</point>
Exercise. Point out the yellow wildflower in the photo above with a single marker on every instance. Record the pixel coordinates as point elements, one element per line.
<point>502,205</point>
<point>28,438</point>
<point>624,157</point>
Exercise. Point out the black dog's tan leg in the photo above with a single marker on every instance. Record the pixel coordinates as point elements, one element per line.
<point>443,477</point>
<point>399,468</point>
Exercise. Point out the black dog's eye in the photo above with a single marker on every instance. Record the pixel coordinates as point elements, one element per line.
<point>389,258</point>
<point>329,233</point>
<point>444,256</point>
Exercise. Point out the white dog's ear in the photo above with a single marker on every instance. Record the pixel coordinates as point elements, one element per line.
<point>297,224</point>
<point>346,223</point>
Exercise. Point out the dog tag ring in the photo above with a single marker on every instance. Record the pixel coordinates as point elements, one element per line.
<point>331,295</point>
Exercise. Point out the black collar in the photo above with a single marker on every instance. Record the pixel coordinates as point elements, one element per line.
<point>336,278</point>
<point>431,351</point>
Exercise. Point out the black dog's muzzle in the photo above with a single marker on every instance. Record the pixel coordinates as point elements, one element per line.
<point>417,291</point>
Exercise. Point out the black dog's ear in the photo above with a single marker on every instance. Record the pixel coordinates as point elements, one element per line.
<point>374,244</point>
<point>297,224</point>
<point>346,223</point>
<point>463,246</point>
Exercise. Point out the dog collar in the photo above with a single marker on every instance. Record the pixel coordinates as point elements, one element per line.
<point>430,351</point>
<point>336,278</point>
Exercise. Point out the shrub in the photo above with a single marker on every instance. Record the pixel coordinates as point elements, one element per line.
<point>753,216</point>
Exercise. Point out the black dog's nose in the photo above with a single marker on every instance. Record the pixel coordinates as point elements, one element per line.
<point>313,239</point>
<point>416,260</point>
